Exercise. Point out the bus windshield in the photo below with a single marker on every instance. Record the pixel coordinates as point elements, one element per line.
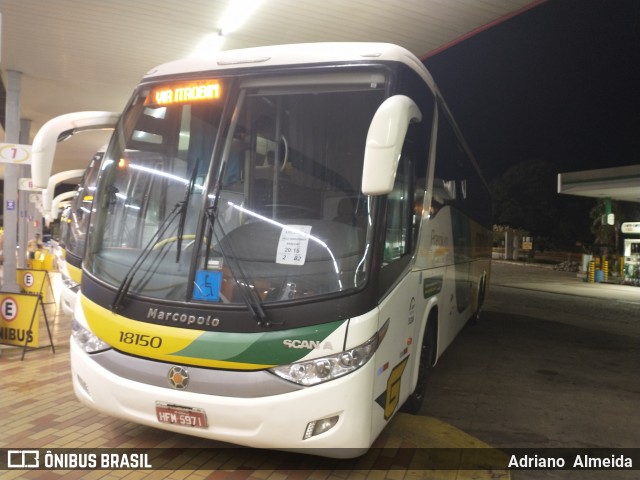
<point>213,190</point>
<point>76,220</point>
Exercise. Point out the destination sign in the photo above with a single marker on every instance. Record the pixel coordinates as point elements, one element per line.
<point>185,92</point>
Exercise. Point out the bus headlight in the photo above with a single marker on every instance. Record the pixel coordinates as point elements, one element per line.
<point>327,368</point>
<point>86,339</point>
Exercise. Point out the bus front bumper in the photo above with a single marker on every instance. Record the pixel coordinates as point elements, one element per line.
<point>274,422</point>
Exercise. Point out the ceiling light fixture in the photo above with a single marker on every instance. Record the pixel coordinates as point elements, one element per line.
<point>237,14</point>
<point>232,19</point>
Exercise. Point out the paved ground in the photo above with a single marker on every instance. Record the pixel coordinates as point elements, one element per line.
<point>39,411</point>
<point>554,362</point>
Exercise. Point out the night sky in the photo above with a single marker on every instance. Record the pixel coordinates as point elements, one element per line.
<point>558,83</point>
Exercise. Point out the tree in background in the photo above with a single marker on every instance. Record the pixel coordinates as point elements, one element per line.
<point>526,197</point>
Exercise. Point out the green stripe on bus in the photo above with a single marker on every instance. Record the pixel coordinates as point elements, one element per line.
<point>257,348</point>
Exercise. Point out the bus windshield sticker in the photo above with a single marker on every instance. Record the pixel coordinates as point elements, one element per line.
<point>292,247</point>
<point>207,285</point>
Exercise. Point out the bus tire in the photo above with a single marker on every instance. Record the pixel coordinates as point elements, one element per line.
<point>427,356</point>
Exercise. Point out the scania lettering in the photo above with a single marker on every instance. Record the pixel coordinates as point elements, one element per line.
<point>305,230</point>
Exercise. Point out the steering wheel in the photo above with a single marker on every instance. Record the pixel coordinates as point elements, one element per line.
<point>169,240</point>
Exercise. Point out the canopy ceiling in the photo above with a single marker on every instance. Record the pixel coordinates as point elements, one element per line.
<point>89,55</point>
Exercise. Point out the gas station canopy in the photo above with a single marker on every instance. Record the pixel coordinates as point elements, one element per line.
<point>617,183</point>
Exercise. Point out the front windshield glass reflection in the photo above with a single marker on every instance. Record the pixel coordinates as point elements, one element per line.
<point>274,211</point>
<point>77,219</point>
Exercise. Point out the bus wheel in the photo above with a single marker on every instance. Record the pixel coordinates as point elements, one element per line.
<point>427,355</point>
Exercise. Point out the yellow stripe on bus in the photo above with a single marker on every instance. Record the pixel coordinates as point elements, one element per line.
<point>75,273</point>
<point>151,341</point>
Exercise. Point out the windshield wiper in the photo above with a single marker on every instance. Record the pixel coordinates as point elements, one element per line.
<point>179,208</point>
<point>248,294</point>
<point>183,209</point>
<point>128,278</point>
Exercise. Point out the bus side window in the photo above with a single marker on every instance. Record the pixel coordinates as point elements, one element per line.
<point>400,212</point>
<point>457,182</point>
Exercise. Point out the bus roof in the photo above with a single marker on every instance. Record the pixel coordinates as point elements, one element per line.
<point>294,54</point>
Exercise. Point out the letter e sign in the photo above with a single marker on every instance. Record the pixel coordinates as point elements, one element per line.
<point>9,309</point>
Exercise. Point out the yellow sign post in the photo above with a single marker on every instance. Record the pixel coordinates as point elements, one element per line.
<point>20,322</point>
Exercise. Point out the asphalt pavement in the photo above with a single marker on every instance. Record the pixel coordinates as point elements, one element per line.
<point>554,362</point>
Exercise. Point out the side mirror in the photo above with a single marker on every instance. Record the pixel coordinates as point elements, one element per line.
<point>60,128</point>
<point>384,143</point>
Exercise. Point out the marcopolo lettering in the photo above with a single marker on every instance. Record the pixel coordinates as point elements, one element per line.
<point>182,318</point>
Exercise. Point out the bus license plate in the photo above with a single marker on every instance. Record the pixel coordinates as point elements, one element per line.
<point>178,415</point>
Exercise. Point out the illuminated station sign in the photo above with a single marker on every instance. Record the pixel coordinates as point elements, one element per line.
<point>185,92</point>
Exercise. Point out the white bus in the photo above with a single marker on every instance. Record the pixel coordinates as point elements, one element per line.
<point>283,241</point>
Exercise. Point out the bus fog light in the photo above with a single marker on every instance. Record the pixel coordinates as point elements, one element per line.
<point>320,426</point>
<point>86,340</point>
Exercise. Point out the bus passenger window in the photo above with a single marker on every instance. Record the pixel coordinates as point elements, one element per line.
<point>400,211</point>
<point>458,182</point>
